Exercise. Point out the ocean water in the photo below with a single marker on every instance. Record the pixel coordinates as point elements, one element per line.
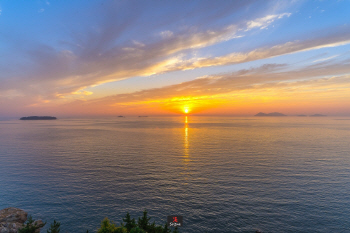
<point>222,174</point>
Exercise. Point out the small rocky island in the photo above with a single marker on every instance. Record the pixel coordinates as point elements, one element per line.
<point>270,114</point>
<point>318,115</point>
<point>38,118</point>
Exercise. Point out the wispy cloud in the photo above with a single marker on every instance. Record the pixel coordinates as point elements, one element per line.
<point>270,78</point>
<point>337,39</point>
<point>264,22</point>
<point>97,58</point>
<point>325,59</point>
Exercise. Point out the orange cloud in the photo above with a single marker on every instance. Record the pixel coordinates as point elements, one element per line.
<point>242,92</point>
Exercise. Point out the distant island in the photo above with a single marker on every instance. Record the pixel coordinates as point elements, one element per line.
<point>318,115</point>
<point>270,114</point>
<point>38,118</point>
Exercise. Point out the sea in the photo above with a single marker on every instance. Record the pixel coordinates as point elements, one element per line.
<point>222,174</point>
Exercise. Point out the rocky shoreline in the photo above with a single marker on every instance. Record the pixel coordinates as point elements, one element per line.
<point>12,219</point>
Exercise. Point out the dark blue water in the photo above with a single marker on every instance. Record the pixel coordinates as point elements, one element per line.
<point>222,174</point>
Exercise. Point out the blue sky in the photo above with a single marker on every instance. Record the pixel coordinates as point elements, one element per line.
<point>135,57</point>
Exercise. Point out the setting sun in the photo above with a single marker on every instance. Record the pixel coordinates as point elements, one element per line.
<point>186,110</point>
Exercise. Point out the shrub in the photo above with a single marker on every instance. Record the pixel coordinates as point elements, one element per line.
<point>108,227</point>
<point>129,226</point>
<point>54,227</point>
<point>30,226</point>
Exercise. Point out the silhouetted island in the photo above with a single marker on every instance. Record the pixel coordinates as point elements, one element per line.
<point>318,115</point>
<point>270,114</point>
<point>38,118</point>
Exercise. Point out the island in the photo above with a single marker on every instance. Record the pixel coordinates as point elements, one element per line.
<point>38,118</point>
<point>318,115</point>
<point>270,114</point>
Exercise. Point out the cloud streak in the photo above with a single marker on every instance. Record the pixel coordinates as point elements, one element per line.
<point>270,78</point>
<point>97,57</point>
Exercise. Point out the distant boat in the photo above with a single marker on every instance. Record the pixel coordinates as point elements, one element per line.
<point>270,114</point>
<point>38,118</point>
<point>143,116</point>
<point>121,116</point>
<point>318,115</point>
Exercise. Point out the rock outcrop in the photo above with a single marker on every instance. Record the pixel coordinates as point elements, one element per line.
<point>11,219</point>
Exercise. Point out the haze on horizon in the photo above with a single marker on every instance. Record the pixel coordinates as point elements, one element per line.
<point>100,58</point>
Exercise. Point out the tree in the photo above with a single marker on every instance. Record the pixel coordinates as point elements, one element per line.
<point>129,223</point>
<point>166,229</point>
<point>137,230</point>
<point>30,226</point>
<point>108,227</point>
<point>54,227</point>
<point>143,222</point>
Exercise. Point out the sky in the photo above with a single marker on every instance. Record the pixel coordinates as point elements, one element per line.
<point>125,57</point>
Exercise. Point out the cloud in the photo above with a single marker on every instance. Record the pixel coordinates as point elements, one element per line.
<point>271,78</point>
<point>338,39</point>
<point>97,56</point>
<point>166,34</point>
<point>325,59</point>
<point>264,22</point>
<point>59,73</point>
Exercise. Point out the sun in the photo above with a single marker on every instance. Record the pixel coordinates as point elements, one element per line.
<point>186,110</point>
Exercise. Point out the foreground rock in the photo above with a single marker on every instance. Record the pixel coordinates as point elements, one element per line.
<point>12,219</point>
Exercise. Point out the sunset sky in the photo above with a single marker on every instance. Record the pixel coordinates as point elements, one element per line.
<point>75,58</point>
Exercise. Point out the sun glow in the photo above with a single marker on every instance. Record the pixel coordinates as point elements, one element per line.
<point>186,110</point>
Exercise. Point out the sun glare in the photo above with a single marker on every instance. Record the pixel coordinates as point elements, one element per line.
<point>186,110</point>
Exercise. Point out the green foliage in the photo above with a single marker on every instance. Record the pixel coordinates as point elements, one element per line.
<point>129,226</point>
<point>143,222</point>
<point>129,223</point>
<point>30,226</point>
<point>108,227</point>
<point>165,229</point>
<point>137,230</point>
<point>54,227</point>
